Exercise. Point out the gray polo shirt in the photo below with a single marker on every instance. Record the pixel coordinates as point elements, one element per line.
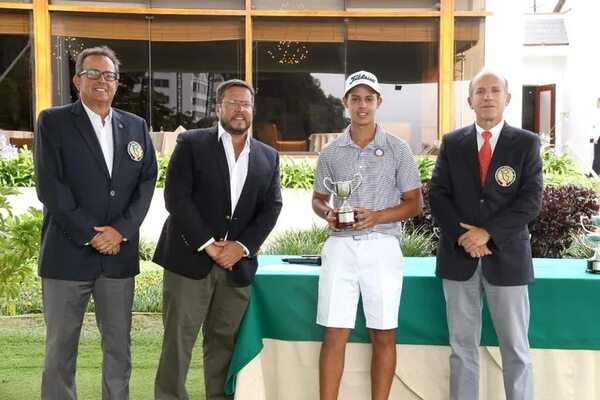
<point>386,165</point>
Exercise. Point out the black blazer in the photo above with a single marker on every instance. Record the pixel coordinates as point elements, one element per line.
<point>504,210</point>
<point>73,183</point>
<point>197,196</point>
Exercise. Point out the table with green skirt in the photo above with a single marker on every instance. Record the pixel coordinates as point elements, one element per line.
<point>277,350</point>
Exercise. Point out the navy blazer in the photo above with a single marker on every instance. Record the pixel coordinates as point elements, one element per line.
<point>501,207</point>
<point>197,196</point>
<point>74,184</point>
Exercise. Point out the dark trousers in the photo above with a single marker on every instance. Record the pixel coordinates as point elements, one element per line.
<point>189,304</point>
<point>64,307</point>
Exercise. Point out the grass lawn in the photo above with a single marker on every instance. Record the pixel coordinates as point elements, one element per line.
<point>22,358</point>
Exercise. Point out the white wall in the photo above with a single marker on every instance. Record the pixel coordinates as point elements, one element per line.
<point>582,75</point>
<point>504,36</point>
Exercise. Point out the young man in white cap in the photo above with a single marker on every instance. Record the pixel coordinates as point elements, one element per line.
<point>366,259</point>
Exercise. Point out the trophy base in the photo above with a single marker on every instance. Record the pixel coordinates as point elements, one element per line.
<point>346,220</point>
<point>593,267</point>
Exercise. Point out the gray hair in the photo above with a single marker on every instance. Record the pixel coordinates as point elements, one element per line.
<point>484,72</point>
<point>232,83</point>
<point>96,51</point>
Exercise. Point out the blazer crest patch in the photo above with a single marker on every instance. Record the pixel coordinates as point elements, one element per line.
<point>505,176</point>
<point>135,151</point>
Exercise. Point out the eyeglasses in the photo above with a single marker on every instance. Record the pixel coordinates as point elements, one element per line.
<point>246,105</point>
<point>94,74</point>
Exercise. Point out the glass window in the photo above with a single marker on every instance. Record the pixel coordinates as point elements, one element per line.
<point>298,5</point>
<point>301,68</point>
<point>16,88</point>
<point>190,4</point>
<point>176,52</point>
<point>470,5</point>
<point>468,61</point>
<point>390,5</point>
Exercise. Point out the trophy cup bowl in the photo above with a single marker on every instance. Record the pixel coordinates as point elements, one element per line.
<point>346,216</point>
<point>592,237</point>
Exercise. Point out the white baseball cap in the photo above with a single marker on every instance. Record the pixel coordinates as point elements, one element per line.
<point>362,78</point>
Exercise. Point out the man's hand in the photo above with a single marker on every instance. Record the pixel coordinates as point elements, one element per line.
<point>107,241</point>
<point>213,250</point>
<point>231,252</point>
<point>332,219</point>
<point>473,237</point>
<point>480,251</point>
<point>366,218</point>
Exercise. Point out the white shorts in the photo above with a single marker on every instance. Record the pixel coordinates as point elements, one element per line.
<point>369,268</point>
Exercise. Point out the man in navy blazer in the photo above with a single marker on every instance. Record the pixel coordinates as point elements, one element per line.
<point>95,171</point>
<point>482,208</point>
<point>223,197</point>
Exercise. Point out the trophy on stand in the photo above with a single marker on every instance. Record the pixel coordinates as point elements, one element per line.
<point>593,237</point>
<point>346,216</point>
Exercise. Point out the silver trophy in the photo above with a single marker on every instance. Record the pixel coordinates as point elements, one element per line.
<point>593,237</point>
<point>346,216</point>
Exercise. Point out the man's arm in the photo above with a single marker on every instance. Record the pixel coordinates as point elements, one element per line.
<point>267,212</point>
<point>128,223</point>
<point>412,204</point>
<point>527,204</point>
<point>441,194</point>
<point>51,188</point>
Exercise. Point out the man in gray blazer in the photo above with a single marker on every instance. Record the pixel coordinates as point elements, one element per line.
<point>95,171</point>
<point>223,197</point>
<point>486,187</point>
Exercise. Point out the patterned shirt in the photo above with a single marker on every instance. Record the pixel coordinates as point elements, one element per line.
<point>387,167</point>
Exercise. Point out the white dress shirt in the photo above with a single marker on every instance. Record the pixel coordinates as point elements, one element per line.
<point>495,131</point>
<point>104,133</point>
<point>238,171</point>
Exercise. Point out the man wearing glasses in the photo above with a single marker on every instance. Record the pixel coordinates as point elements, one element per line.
<point>223,197</point>
<point>95,170</point>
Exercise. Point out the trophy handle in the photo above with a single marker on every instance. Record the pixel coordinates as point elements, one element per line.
<point>328,179</point>
<point>359,176</point>
<point>582,220</point>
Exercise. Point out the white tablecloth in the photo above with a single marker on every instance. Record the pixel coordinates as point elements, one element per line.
<point>289,370</point>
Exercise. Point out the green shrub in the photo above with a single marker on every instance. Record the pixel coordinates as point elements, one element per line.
<point>558,164</point>
<point>163,163</point>
<point>18,172</point>
<point>579,247</point>
<point>296,175</point>
<point>148,292</point>
<point>146,249</point>
<point>417,243</point>
<point>19,244</point>
<point>298,241</point>
<point>425,166</point>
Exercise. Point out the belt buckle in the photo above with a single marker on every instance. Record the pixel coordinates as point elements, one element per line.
<point>364,236</point>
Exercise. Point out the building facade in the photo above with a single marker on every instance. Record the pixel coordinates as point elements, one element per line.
<point>295,53</point>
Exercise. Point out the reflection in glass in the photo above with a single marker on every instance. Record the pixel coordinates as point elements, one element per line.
<point>468,61</point>
<point>190,4</point>
<point>390,5</point>
<point>16,106</point>
<point>302,101</point>
<point>470,5</point>
<point>171,66</point>
<point>310,5</point>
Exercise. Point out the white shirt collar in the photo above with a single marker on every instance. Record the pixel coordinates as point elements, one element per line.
<point>93,116</point>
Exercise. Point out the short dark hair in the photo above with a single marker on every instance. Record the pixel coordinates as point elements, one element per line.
<point>96,51</point>
<point>232,83</point>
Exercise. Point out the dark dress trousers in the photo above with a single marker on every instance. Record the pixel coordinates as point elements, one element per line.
<point>74,184</point>
<point>197,196</point>
<point>503,210</point>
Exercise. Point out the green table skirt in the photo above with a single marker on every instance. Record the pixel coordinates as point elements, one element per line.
<point>564,301</point>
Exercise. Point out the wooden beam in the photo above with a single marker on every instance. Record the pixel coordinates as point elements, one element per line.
<point>446,67</point>
<point>42,69</point>
<point>248,43</point>
<point>16,6</point>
